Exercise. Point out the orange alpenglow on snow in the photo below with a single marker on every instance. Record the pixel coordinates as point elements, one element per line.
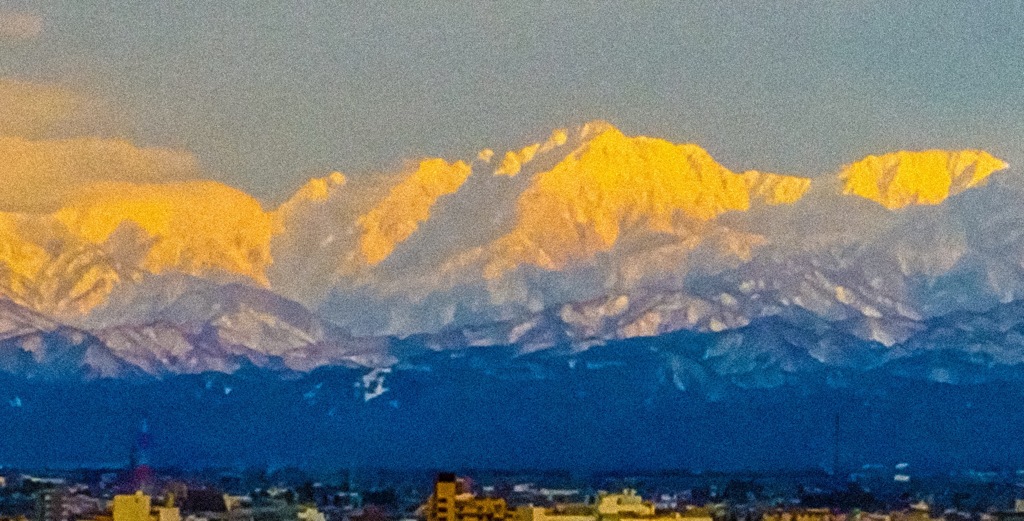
<point>196,227</point>
<point>927,177</point>
<point>569,198</point>
<point>514,161</point>
<point>775,189</point>
<point>319,189</point>
<point>23,258</point>
<point>407,204</point>
<point>580,206</point>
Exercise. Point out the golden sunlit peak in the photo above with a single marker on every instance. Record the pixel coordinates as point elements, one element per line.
<point>318,189</point>
<point>925,177</point>
<point>557,139</point>
<point>485,155</point>
<point>775,189</point>
<point>514,161</point>
<point>612,182</point>
<point>596,127</point>
<point>336,178</point>
<point>399,213</point>
<point>197,226</point>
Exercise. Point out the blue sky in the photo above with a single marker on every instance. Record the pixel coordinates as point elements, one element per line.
<point>267,94</point>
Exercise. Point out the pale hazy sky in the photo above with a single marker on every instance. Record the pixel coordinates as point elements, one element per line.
<point>267,94</point>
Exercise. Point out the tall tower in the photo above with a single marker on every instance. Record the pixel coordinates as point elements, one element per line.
<point>142,472</point>
<point>836,443</point>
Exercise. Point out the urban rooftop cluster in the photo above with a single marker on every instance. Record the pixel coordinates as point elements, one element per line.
<point>141,494</point>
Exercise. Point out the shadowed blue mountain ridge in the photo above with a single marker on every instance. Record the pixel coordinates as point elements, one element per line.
<point>764,396</point>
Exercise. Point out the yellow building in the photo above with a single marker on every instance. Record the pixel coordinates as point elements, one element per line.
<point>695,513</point>
<point>608,507</point>
<point>918,512</point>
<point>532,513</point>
<point>167,513</point>
<point>627,502</point>
<point>139,507</point>
<point>134,507</point>
<point>803,514</point>
<point>450,503</point>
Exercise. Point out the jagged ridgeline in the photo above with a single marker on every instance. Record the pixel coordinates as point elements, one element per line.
<point>593,299</point>
<point>585,237</point>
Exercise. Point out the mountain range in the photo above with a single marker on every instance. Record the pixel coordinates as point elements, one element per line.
<point>584,237</point>
<point>589,266</point>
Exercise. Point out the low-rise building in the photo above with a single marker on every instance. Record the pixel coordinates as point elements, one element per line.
<point>51,505</point>
<point>139,507</point>
<point>609,507</point>
<point>695,513</point>
<point>450,502</point>
<point>131,507</point>
<point>310,514</point>
<point>800,514</point>
<point>627,503</point>
<point>534,513</point>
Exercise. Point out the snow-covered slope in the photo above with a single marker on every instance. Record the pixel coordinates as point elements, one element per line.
<point>199,326</point>
<point>599,214</point>
<point>68,263</point>
<point>586,236</point>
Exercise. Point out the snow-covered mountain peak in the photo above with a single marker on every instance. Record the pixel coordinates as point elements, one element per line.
<point>586,235</point>
<point>926,177</point>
